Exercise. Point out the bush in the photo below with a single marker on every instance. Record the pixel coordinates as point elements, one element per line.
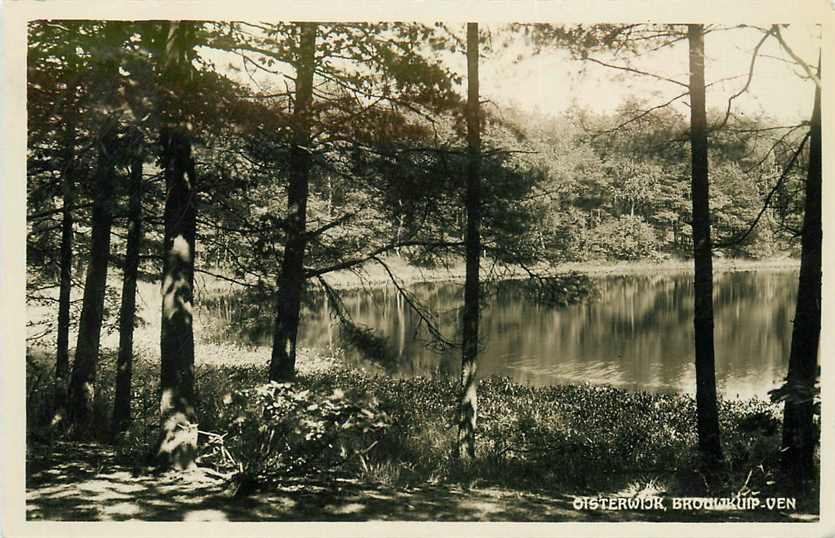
<point>281,428</point>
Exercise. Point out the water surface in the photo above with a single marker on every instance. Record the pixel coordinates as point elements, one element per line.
<point>637,333</point>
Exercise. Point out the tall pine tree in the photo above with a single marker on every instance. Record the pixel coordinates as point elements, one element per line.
<point>178,421</point>
<point>707,414</point>
<point>468,405</point>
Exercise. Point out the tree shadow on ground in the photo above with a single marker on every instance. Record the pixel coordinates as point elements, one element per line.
<point>85,482</point>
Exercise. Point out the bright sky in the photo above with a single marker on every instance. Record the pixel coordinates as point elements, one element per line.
<point>551,81</point>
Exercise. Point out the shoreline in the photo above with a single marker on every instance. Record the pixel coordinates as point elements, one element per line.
<point>407,275</point>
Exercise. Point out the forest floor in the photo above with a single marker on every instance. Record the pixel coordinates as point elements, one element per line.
<point>85,482</point>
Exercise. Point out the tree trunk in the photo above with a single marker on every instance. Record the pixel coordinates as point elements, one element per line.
<point>82,382</point>
<point>62,355</point>
<point>708,418</point>
<point>799,435</point>
<point>127,312</point>
<point>291,276</point>
<point>177,444</point>
<point>468,405</point>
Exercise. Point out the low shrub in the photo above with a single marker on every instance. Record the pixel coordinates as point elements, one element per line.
<point>276,429</point>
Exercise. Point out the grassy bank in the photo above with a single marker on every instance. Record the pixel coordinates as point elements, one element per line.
<point>580,440</point>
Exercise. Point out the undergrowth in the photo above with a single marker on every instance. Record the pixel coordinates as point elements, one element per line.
<point>580,438</point>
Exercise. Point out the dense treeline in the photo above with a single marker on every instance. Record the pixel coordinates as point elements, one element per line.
<point>625,193</point>
<point>335,146</point>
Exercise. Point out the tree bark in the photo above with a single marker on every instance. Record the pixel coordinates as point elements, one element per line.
<point>82,383</point>
<point>62,355</point>
<point>127,312</point>
<point>708,417</point>
<point>799,435</point>
<point>291,276</point>
<point>468,405</point>
<point>177,445</point>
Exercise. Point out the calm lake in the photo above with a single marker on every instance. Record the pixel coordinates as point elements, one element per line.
<point>635,333</point>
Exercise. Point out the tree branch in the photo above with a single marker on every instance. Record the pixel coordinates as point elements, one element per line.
<point>740,238</point>
<point>637,72</point>
<point>438,338</point>
<point>747,82</point>
<point>226,278</point>
<point>50,212</point>
<point>806,67</point>
<point>347,264</point>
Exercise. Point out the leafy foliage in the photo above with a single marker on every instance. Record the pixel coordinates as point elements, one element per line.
<point>279,428</point>
<point>627,238</point>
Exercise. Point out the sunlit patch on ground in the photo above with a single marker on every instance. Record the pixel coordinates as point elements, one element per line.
<point>376,495</point>
<point>205,515</point>
<point>480,507</point>
<point>350,508</point>
<point>119,511</point>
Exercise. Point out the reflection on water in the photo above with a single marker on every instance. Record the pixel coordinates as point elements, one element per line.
<point>637,333</point>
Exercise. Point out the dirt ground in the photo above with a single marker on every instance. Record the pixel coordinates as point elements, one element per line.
<point>85,482</point>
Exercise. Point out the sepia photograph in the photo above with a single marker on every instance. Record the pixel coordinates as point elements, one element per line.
<point>372,270</point>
